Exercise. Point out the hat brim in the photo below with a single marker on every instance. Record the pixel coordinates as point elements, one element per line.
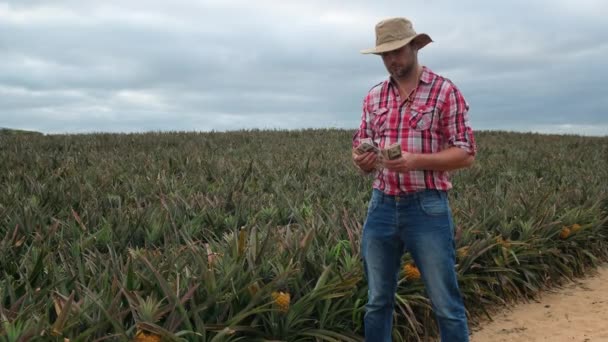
<point>424,38</point>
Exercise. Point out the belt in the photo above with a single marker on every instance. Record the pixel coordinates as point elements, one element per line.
<point>404,195</point>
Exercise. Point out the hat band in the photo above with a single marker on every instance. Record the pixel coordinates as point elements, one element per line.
<point>387,38</point>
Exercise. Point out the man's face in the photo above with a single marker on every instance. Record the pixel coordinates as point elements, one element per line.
<point>401,62</point>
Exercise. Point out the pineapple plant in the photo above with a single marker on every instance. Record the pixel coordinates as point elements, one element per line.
<point>148,310</point>
<point>173,197</point>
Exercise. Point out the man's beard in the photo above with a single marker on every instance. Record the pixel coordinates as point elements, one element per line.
<point>400,72</point>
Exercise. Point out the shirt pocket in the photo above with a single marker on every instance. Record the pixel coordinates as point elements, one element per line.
<point>422,117</point>
<point>379,121</point>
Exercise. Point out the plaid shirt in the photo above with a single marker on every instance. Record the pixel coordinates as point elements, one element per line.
<point>432,119</point>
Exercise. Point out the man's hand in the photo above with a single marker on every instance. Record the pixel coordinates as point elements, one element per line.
<point>407,162</point>
<point>365,161</point>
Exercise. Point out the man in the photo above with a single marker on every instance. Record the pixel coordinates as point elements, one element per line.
<point>409,211</point>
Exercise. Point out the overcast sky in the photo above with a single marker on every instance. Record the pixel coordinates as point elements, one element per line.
<point>131,66</point>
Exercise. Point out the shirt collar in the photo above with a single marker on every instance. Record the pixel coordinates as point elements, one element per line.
<point>427,75</point>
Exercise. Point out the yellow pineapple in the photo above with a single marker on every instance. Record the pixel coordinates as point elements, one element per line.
<point>503,242</point>
<point>411,272</point>
<point>564,233</point>
<point>253,288</point>
<point>143,337</point>
<point>463,252</point>
<point>281,300</point>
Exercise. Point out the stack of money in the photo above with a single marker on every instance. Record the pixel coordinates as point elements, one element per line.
<point>392,151</point>
<point>389,153</point>
<point>366,145</point>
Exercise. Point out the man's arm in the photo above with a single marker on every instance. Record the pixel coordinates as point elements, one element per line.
<point>449,159</point>
<point>365,162</point>
<point>455,127</point>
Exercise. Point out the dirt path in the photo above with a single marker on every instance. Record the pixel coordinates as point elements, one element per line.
<point>576,312</point>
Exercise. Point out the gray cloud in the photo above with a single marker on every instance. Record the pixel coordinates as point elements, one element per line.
<point>82,66</point>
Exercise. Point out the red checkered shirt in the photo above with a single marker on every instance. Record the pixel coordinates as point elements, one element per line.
<point>432,119</point>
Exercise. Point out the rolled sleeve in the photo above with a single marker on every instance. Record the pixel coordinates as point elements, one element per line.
<point>455,122</point>
<point>364,130</point>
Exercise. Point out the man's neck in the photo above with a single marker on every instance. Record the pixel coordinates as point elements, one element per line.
<point>408,83</point>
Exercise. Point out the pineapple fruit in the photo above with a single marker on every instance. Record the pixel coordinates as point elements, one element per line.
<point>501,241</point>
<point>462,252</point>
<point>411,272</point>
<point>143,337</point>
<point>565,232</point>
<point>281,300</point>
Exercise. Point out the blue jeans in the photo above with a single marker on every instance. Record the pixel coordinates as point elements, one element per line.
<point>420,223</point>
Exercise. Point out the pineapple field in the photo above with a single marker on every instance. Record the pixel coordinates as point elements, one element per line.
<point>254,235</point>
